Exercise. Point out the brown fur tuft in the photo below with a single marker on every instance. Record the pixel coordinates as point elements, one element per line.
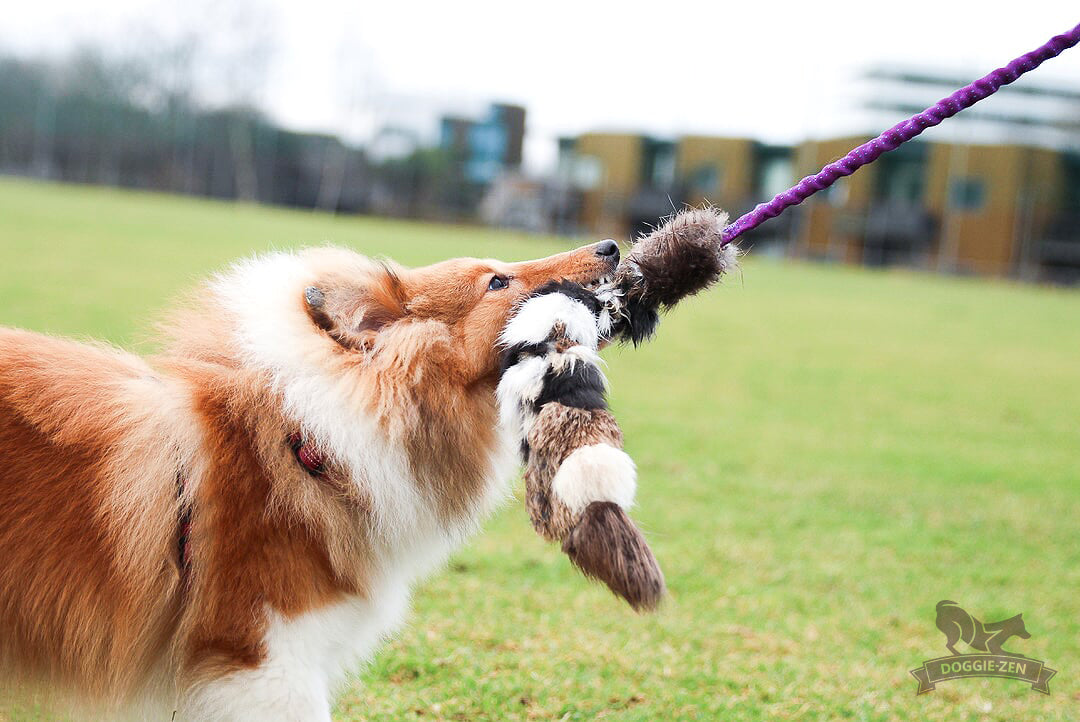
<point>557,432</point>
<point>681,258</point>
<point>606,545</point>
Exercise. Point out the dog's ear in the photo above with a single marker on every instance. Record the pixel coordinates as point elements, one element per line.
<point>352,313</point>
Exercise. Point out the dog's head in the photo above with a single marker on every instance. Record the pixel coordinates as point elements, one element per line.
<point>472,299</point>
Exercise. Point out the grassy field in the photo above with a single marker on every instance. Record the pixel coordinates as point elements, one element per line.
<point>824,453</point>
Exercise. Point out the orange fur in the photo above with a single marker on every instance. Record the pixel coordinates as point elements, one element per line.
<point>93,442</point>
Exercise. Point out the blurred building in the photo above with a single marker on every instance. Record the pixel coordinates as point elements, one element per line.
<point>1006,210</point>
<point>486,146</point>
<point>1002,210</point>
<point>993,194</point>
<point>626,182</point>
<point>515,201</point>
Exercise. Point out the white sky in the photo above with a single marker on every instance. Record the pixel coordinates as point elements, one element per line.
<point>779,71</point>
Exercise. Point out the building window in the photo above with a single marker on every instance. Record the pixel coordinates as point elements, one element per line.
<point>663,175</point>
<point>901,176</point>
<point>658,163</point>
<point>901,183</point>
<point>587,172</point>
<point>838,193</point>
<point>705,180</point>
<point>967,194</point>
<point>776,175</point>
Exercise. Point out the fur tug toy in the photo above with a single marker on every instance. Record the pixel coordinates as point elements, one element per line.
<point>579,483</point>
<point>687,254</point>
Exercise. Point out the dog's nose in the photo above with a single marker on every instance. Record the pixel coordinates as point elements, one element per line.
<point>608,249</point>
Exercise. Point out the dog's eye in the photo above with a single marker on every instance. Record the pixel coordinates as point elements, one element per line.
<point>498,283</point>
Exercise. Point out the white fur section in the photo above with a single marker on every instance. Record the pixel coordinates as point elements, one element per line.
<point>307,658</point>
<point>270,693</point>
<point>729,256</point>
<point>603,322</point>
<point>566,361</point>
<point>536,318</point>
<point>610,308</point>
<point>599,472</point>
<point>522,383</point>
<point>519,386</point>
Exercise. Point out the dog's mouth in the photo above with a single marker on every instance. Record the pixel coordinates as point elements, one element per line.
<point>599,282</point>
<point>604,276</point>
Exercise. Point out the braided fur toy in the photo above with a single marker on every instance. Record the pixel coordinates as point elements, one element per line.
<point>579,483</point>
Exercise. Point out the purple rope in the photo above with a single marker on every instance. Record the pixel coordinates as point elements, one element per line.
<point>901,132</point>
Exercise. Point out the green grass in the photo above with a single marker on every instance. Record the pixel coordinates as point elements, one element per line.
<point>824,453</point>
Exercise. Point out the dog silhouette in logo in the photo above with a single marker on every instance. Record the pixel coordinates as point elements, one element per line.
<point>958,625</point>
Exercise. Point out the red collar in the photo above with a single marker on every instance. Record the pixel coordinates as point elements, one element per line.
<point>306,455</point>
<point>309,457</point>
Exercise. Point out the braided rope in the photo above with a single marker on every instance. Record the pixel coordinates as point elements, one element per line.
<point>900,133</point>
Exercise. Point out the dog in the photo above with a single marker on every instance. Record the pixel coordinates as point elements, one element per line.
<point>225,530</point>
<point>958,625</point>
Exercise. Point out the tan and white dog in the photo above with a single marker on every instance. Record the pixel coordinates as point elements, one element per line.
<point>228,528</point>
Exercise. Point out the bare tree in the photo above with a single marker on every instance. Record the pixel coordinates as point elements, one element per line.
<point>356,83</point>
<point>238,41</point>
